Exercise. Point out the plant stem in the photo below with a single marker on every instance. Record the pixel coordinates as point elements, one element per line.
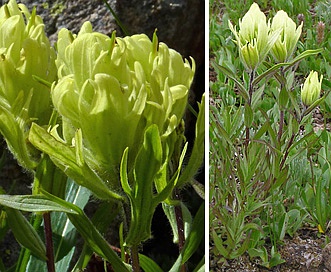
<point>251,87</point>
<point>180,227</point>
<point>135,258</point>
<point>249,102</point>
<point>281,113</point>
<point>281,124</point>
<point>49,242</point>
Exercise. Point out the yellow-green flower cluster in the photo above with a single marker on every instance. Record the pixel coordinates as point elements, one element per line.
<point>25,54</point>
<point>256,38</point>
<point>113,89</point>
<point>289,36</point>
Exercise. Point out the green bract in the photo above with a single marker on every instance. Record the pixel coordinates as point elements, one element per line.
<point>254,37</point>
<point>25,54</point>
<point>311,89</point>
<point>287,41</point>
<point>111,90</point>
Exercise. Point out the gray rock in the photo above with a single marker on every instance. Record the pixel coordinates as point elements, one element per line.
<point>180,23</point>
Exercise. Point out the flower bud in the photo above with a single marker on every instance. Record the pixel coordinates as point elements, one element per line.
<point>288,38</point>
<point>250,55</point>
<point>25,54</point>
<point>311,89</point>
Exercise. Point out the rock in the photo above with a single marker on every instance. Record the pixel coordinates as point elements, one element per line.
<point>71,14</point>
<point>180,23</point>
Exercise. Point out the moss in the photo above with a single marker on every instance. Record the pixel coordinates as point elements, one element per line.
<point>56,9</point>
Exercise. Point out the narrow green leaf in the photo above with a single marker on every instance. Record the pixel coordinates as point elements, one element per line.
<point>123,173</point>
<point>64,157</point>
<point>232,76</point>
<point>303,55</point>
<point>177,265</point>
<point>33,203</point>
<point>306,138</point>
<point>102,218</point>
<point>161,179</point>
<point>166,192</point>
<point>262,130</point>
<point>275,68</point>
<point>195,237</point>
<point>283,98</point>
<point>42,81</point>
<point>79,148</point>
<point>320,203</point>
<point>314,105</point>
<point>201,266</point>
<point>25,234</point>
<point>147,165</point>
<point>241,250</point>
<point>197,154</point>
<point>248,116</point>
<point>257,97</point>
<point>198,188</point>
<point>95,240</point>
<point>148,265</point>
<point>62,226</point>
<point>219,244</point>
<point>148,160</point>
<point>283,226</point>
<point>275,259</point>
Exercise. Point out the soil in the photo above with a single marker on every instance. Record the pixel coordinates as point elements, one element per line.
<point>307,251</point>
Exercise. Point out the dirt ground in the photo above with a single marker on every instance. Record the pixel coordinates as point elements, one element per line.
<point>308,251</point>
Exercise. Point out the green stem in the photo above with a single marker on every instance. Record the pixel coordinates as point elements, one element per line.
<point>49,242</point>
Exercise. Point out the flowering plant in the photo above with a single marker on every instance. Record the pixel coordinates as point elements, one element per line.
<point>25,53</point>
<point>261,127</point>
<point>106,113</point>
